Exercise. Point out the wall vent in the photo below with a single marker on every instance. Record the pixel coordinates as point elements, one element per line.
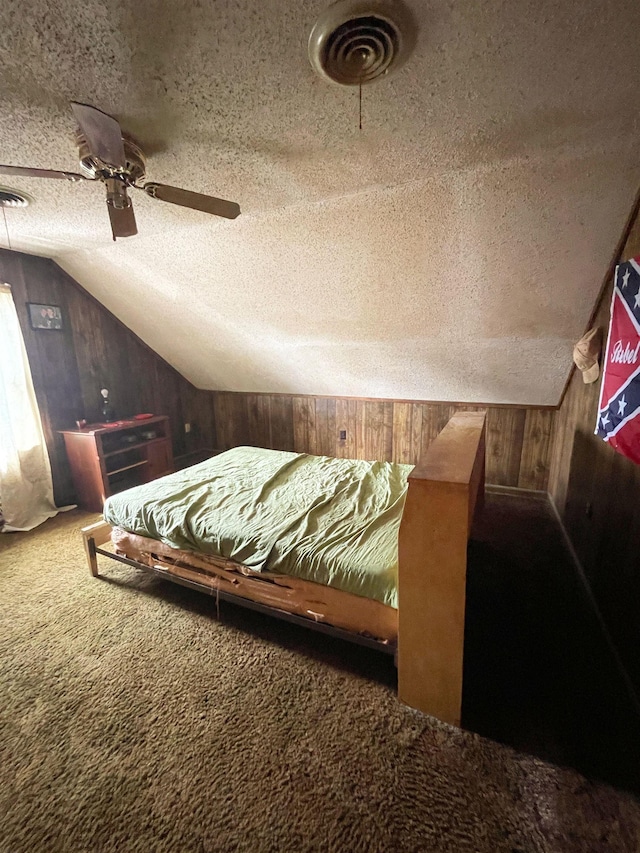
<point>355,42</point>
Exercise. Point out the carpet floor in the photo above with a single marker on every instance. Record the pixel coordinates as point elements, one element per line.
<point>133,719</point>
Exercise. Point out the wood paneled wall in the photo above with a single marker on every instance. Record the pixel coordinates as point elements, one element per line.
<point>597,493</point>
<point>518,438</point>
<point>94,350</point>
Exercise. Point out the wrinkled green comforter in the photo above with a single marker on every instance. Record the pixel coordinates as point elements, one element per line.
<point>332,521</point>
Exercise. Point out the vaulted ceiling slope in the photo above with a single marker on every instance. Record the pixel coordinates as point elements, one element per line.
<point>451,249</point>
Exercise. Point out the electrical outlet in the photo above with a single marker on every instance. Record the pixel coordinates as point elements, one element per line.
<point>343,435</point>
<point>187,427</point>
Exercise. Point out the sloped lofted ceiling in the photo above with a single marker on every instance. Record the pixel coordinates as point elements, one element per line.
<point>452,249</point>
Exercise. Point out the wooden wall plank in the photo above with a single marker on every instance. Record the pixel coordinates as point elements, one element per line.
<point>361,430</point>
<point>536,441</point>
<point>402,444</point>
<point>417,448</point>
<point>197,410</point>
<point>231,420</point>
<point>304,425</point>
<point>505,433</point>
<point>326,436</point>
<point>104,358</point>
<point>387,430</point>
<point>222,418</point>
<point>347,420</point>
<point>281,410</point>
<point>378,430</point>
<point>169,402</point>
<point>259,419</point>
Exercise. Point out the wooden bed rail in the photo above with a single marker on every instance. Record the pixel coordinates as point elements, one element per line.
<point>444,490</point>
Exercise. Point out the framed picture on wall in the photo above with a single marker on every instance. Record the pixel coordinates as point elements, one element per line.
<point>44,316</point>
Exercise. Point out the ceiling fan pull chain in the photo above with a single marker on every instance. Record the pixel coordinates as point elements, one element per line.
<point>6,227</point>
<point>360,100</point>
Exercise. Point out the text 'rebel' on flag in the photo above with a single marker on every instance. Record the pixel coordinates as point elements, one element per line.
<point>619,406</point>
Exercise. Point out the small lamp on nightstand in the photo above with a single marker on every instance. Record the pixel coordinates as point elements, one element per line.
<point>107,411</point>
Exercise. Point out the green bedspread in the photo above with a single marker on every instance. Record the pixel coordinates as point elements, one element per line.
<point>332,521</point>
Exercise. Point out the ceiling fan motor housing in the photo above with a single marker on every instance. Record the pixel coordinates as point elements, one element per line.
<point>355,42</point>
<point>135,160</point>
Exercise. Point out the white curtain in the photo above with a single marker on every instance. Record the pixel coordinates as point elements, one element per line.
<point>26,489</point>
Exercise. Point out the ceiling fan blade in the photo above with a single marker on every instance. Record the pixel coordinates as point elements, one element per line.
<point>123,221</point>
<point>25,172</point>
<point>103,134</point>
<point>196,201</point>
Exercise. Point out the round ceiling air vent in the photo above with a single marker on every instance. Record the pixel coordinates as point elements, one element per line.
<point>356,41</point>
<point>12,198</point>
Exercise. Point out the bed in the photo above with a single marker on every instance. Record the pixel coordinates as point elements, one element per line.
<point>373,552</point>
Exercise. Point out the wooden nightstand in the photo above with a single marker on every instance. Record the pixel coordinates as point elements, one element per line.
<point>108,458</point>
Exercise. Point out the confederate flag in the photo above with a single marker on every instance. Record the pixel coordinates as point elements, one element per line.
<point>619,407</point>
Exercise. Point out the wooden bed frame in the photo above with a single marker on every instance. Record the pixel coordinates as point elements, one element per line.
<point>445,489</point>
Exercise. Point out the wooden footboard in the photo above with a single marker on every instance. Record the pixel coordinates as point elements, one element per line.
<point>444,490</point>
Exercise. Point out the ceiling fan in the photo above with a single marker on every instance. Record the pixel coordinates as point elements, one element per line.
<point>108,155</point>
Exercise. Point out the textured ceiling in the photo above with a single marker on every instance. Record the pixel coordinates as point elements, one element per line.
<point>452,249</point>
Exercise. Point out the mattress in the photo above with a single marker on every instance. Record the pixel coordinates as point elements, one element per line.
<point>330,521</point>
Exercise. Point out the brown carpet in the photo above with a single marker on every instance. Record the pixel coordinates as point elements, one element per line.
<point>131,719</point>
